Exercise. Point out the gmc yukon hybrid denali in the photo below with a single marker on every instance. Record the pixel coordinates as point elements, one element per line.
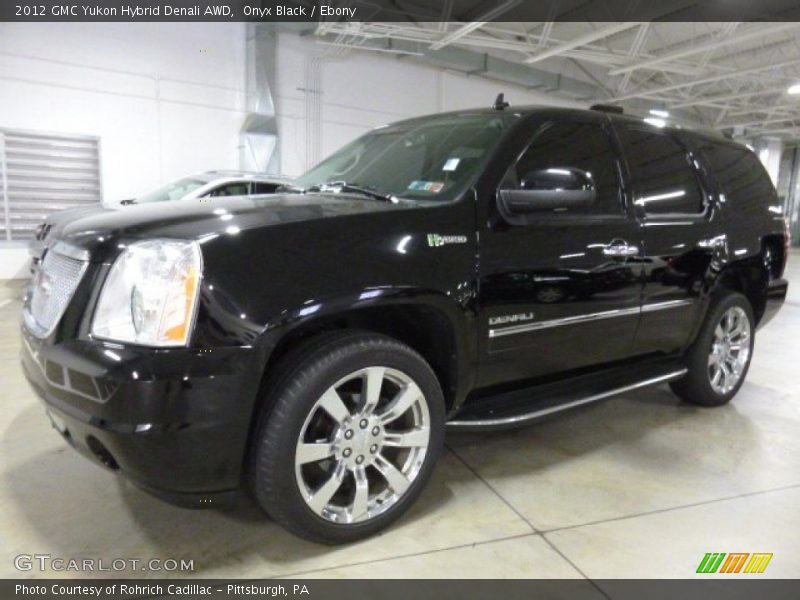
<point>471,270</point>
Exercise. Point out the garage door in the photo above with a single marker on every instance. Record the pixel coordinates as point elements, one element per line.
<point>44,172</point>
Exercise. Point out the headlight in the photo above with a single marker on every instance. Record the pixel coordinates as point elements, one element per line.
<point>150,294</point>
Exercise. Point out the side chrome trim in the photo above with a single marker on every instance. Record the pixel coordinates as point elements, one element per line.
<point>607,314</point>
<point>520,419</point>
<point>666,305</point>
<point>597,316</point>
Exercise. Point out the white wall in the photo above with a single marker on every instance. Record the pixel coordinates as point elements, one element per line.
<point>362,90</point>
<point>166,99</point>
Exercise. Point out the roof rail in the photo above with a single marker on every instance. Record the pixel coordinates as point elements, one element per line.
<point>607,108</point>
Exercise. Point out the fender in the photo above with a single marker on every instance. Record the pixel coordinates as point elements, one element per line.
<point>364,307</point>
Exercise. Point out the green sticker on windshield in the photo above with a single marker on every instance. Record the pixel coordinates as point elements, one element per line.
<point>434,187</point>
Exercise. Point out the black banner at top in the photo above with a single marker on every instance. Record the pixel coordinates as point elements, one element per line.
<point>408,11</point>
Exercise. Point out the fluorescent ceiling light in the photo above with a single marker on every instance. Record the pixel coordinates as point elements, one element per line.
<point>795,89</point>
<point>659,113</point>
<point>657,197</point>
<point>656,122</point>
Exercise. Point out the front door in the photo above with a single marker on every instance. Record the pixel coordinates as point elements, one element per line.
<point>563,290</point>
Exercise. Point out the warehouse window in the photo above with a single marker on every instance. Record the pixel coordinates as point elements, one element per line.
<point>41,173</point>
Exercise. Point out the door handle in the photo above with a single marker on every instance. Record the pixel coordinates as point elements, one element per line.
<point>620,249</point>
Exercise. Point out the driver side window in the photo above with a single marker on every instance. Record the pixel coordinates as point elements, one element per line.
<point>564,149</point>
<point>230,189</point>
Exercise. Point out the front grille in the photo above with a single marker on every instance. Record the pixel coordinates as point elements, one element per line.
<point>52,288</point>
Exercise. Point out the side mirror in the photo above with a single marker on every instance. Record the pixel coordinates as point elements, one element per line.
<point>549,190</point>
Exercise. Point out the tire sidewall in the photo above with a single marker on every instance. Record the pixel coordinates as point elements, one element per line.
<point>296,399</point>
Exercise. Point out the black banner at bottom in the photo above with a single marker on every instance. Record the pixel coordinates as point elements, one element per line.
<point>713,588</point>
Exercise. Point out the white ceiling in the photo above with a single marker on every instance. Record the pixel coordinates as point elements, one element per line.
<point>731,76</point>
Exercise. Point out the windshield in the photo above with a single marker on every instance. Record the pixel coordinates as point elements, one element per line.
<point>431,159</point>
<point>174,190</point>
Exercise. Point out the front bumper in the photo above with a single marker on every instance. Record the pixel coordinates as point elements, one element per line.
<point>175,422</point>
<point>776,296</point>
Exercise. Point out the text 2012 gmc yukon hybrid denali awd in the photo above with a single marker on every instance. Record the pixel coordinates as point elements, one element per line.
<point>476,269</point>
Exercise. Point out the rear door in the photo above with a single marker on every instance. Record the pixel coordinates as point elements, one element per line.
<point>563,291</point>
<point>679,232</point>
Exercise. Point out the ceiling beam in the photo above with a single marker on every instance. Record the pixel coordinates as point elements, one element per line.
<point>714,99</point>
<point>468,28</point>
<point>712,79</point>
<point>592,36</point>
<point>793,130</point>
<point>791,105</point>
<point>690,48</point>
<point>761,122</point>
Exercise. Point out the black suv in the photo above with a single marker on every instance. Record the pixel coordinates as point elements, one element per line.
<point>478,269</point>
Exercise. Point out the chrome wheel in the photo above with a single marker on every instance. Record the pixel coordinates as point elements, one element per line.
<point>362,445</point>
<point>730,350</point>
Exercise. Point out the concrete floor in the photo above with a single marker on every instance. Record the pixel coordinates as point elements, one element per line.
<point>641,486</point>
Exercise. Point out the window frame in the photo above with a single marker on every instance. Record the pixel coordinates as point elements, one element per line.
<point>564,218</point>
<point>704,185</point>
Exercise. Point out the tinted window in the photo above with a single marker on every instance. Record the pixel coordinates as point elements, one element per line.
<point>663,177</point>
<point>743,179</point>
<point>264,188</point>
<point>583,146</point>
<point>231,189</point>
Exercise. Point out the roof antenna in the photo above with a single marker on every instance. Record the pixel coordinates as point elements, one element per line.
<point>500,103</point>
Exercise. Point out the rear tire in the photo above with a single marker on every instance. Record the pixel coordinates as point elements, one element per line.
<point>354,428</point>
<point>719,358</point>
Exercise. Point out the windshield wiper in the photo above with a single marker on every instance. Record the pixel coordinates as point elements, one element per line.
<point>344,186</point>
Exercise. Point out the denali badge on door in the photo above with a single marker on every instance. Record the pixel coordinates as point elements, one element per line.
<point>505,319</point>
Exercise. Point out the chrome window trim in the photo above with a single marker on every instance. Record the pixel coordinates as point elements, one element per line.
<point>597,316</point>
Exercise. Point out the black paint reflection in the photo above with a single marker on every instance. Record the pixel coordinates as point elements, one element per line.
<point>550,286</point>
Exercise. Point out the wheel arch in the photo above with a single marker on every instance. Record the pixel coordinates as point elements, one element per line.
<point>749,277</point>
<point>430,323</point>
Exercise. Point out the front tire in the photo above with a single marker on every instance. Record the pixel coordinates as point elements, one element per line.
<point>354,428</point>
<point>719,358</point>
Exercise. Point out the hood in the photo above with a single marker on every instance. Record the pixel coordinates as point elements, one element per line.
<point>199,218</point>
<point>69,214</point>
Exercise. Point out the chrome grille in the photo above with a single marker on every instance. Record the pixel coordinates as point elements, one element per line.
<point>52,288</point>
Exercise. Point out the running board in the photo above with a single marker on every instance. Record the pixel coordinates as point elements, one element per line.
<point>507,411</point>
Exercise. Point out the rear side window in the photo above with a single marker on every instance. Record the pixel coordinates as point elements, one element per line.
<point>664,180</point>
<point>264,188</point>
<point>740,174</point>
<point>583,146</point>
<point>230,189</point>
